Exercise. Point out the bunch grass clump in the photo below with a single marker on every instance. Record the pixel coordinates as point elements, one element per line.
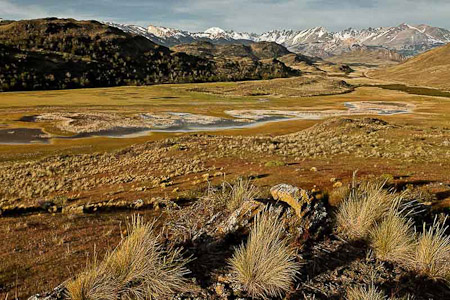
<point>365,293</point>
<point>432,253</point>
<point>243,190</point>
<point>365,205</point>
<point>232,195</point>
<point>139,268</point>
<point>265,265</point>
<point>393,238</point>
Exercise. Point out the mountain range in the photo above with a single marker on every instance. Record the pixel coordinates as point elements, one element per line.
<point>405,39</point>
<point>56,53</point>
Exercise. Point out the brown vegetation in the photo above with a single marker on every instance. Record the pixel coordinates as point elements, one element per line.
<point>266,265</point>
<point>139,268</point>
<point>429,69</point>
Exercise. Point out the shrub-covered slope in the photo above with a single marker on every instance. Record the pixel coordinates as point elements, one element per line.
<point>65,53</point>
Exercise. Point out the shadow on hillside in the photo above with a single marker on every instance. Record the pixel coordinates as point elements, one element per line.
<point>212,255</point>
<point>410,283</point>
<point>328,261</point>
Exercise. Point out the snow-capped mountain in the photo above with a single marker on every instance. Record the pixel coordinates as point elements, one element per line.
<point>406,39</point>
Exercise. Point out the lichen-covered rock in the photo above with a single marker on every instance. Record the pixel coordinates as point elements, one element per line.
<point>291,195</point>
<point>58,293</point>
<point>240,218</point>
<point>310,210</point>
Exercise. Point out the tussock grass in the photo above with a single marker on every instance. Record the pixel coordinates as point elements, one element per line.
<point>93,284</point>
<point>139,268</point>
<point>365,293</point>
<point>432,253</point>
<point>233,195</point>
<point>393,238</point>
<point>265,265</point>
<point>365,205</point>
<point>243,190</point>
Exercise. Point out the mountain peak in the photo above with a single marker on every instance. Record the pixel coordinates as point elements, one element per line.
<point>316,41</point>
<point>215,31</point>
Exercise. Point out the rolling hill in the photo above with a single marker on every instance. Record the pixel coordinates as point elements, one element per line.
<point>368,56</point>
<point>56,53</point>
<point>431,69</point>
<point>258,52</point>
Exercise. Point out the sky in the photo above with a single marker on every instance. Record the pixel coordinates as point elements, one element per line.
<point>241,15</point>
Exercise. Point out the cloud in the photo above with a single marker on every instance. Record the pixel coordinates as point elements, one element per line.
<point>13,11</point>
<point>242,15</point>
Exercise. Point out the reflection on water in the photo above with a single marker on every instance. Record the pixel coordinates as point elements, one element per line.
<point>23,136</point>
<point>180,127</point>
<point>176,122</point>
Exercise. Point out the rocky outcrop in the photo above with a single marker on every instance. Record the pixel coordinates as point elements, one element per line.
<point>240,218</point>
<point>310,209</point>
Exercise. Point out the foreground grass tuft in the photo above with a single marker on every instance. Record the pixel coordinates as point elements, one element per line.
<point>432,254</point>
<point>93,284</point>
<point>266,265</point>
<point>363,293</point>
<point>393,238</point>
<point>139,268</point>
<point>243,190</point>
<point>232,195</point>
<point>365,205</point>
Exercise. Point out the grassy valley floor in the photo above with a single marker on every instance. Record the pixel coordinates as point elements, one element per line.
<point>60,199</point>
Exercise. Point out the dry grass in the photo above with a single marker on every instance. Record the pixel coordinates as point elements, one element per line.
<point>243,190</point>
<point>232,195</point>
<point>427,69</point>
<point>139,268</point>
<point>93,284</point>
<point>365,293</point>
<point>432,253</point>
<point>266,265</point>
<point>393,238</point>
<point>366,204</point>
<point>339,194</point>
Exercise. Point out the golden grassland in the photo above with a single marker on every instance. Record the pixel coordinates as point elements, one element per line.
<point>428,69</point>
<point>193,98</point>
<point>51,242</point>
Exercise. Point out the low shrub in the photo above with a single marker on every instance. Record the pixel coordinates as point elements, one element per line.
<point>275,163</point>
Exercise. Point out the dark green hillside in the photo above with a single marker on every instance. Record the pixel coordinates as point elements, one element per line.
<point>65,53</point>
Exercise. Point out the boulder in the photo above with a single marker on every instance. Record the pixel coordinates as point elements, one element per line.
<point>240,218</point>
<point>292,196</point>
<point>310,209</point>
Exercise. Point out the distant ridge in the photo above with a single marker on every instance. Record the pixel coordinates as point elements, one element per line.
<point>407,40</point>
<point>431,69</point>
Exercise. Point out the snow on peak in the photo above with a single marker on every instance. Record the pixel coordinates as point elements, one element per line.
<point>307,41</point>
<point>215,31</point>
<point>165,32</point>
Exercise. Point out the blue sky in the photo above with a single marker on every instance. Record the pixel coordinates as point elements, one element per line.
<point>241,15</point>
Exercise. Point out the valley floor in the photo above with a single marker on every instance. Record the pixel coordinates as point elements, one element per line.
<point>61,200</point>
